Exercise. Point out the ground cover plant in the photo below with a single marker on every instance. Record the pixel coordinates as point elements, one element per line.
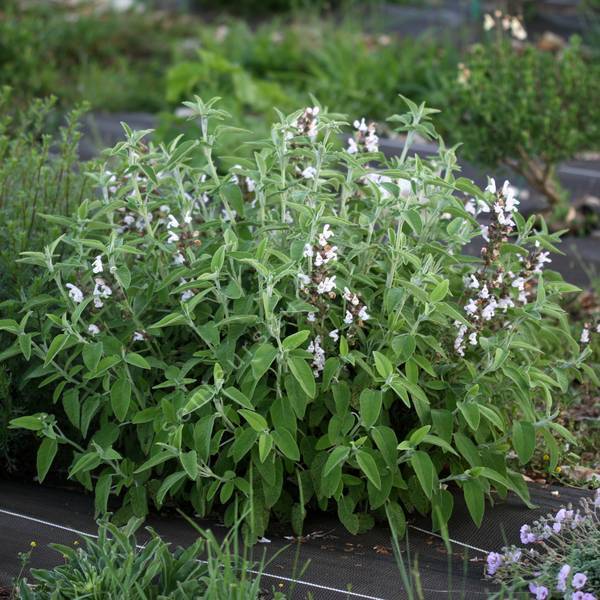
<point>116,565</point>
<point>559,556</point>
<point>299,330</point>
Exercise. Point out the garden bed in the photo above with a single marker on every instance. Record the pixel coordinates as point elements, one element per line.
<point>329,563</point>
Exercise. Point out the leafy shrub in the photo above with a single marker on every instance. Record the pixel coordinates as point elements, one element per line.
<point>525,108</point>
<point>39,173</point>
<point>301,330</point>
<point>115,566</point>
<point>562,559</point>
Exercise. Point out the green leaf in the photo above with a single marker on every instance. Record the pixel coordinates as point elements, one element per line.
<point>424,470</point>
<point>70,400</point>
<point>265,444</point>
<point>470,411</point>
<point>189,461</point>
<point>25,345</point>
<point>33,423</point>
<point>45,455</point>
<point>256,421</point>
<point>368,466</point>
<point>167,484</point>
<point>264,355</point>
<point>337,456</point>
<point>120,397</point>
<point>55,347</point>
<point>102,491</point>
<point>85,463</point>
<point>295,340</point>
<point>383,365</point>
<point>386,441</point>
<point>523,437</point>
<point>475,499</point>
<point>91,354</point>
<point>153,461</point>
<point>370,407</point>
<point>136,360</point>
<point>439,292</point>
<point>285,441</point>
<point>396,518</point>
<point>303,374</point>
<point>238,397</point>
<point>169,321</point>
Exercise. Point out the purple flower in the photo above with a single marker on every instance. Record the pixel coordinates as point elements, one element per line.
<point>577,596</point>
<point>541,592</point>
<point>494,562</point>
<point>513,555</point>
<point>527,536</point>
<point>556,526</point>
<point>561,515</point>
<point>579,580</point>
<point>561,579</point>
<point>588,596</point>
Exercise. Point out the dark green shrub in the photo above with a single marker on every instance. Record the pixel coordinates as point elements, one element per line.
<point>527,109</point>
<point>299,331</point>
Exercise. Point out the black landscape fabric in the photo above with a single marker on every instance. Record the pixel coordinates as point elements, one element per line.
<point>328,564</point>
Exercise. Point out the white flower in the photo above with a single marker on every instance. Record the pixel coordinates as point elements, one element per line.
<point>97,266</point>
<point>101,290</point>
<point>334,335</point>
<point>598,328</point>
<point>308,251</point>
<point>178,259</point>
<point>352,146</point>
<point>75,293</point>
<point>304,279</point>
<point>505,303</point>
<point>93,329</point>
<point>330,254</point>
<point>363,314</point>
<point>485,233</point>
<point>325,235</point>
<point>471,308</point>
<point>348,318</point>
<point>484,293</point>
<point>473,338</point>
<point>473,283</point>
<point>250,184</point>
<point>491,186</point>
<point>488,22</point>
<point>543,257</point>
<point>490,309</point>
<point>128,220</point>
<point>519,283</point>
<point>318,355</point>
<point>173,237</point>
<point>585,336</point>
<point>185,296</point>
<point>311,317</point>
<point>372,141</point>
<point>350,297</point>
<point>138,336</point>
<point>459,345</point>
<point>517,29</point>
<point>309,173</point>
<point>172,222</point>
<point>326,286</point>
<point>360,125</point>
<point>187,217</point>
<point>164,208</point>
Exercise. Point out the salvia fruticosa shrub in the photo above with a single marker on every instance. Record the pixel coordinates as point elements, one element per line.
<point>523,107</point>
<point>559,556</point>
<point>298,330</point>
